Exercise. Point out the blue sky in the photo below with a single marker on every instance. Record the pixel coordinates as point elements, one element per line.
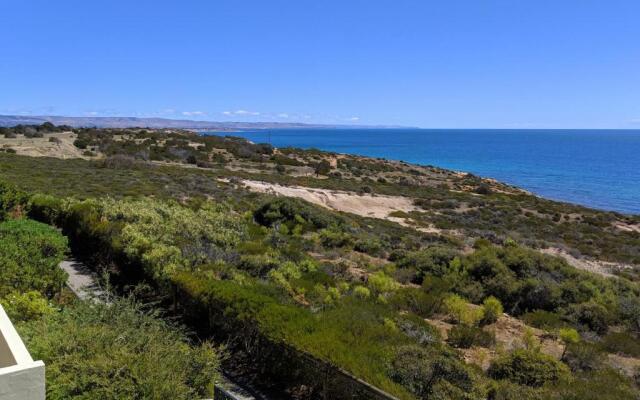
<point>438,64</point>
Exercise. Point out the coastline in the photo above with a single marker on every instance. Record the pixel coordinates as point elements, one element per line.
<point>545,163</point>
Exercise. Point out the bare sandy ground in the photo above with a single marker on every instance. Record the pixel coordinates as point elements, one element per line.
<point>626,227</point>
<point>42,147</point>
<point>366,205</point>
<point>603,268</point>
<point>509,333</point>
<point>380,206</point>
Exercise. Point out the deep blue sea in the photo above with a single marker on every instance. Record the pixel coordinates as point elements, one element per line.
<point>596,168</point>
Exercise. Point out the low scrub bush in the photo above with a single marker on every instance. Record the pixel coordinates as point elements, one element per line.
<point>621,343</point>
<point>464,336</point>
<point>431,373</point>
<point>29,256</point>
<point>292,212</point>
<point>118,351</point>
<point>491,309</point>
<point>583,356</point>
<point>528,367</point>
<point>543,319</point>
<point>460,311</point>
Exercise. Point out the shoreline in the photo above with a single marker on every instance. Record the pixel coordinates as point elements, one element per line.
<point>513,185</point>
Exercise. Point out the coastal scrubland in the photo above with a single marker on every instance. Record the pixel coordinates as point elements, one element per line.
<point>448,296</point>
<point>92,350</point>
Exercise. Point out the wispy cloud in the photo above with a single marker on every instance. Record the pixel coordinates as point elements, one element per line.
<point>193,113</point>
<point>283,115</point>
<point>91,113</point>
<point>635,121</point>
<point>354,119</point>
<point>241,113</point>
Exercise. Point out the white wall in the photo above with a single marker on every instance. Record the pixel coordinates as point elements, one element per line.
<point>21,378</point>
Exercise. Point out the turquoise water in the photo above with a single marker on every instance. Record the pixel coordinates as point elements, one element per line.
<point>596,168</point>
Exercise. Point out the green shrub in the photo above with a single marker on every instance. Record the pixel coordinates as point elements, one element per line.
<point>418,301</point>
<point>81,143</point>
<point>292,212</point>
<point>543,319</point>
<point>45,208</point>
<point>606,384</point>
<point>460,311</point>
<point>591,315</point>
<point>379,282</point>
<point>332,238</point>
<point>621,343</point>
<point>432,261</point>
<point>322,168</point>
<point>492,310</point>
<point>464,336</point>
<point>11,199</point>
<point>569,336</point>
<point>361,292</point>
<point>583,356</point>
<point>527,367</point>
<point>118,351</point>
<point>29,256</point>
<point>369,246</point>
<point>26,306</point>
<point>425,370</point>
<point>284,160</point>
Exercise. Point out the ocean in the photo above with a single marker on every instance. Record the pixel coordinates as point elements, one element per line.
<point>595,168</point>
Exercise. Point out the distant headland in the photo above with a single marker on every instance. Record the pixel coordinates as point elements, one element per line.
<point>156,123</point>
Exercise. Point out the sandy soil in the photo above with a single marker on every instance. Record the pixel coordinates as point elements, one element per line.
<point>509,332</point>
<point>626,227</point>
<point>380,206</point>
<point>42,147</point>
<point>603,268</point>
<point>626,365</point>
<point>377,206</point>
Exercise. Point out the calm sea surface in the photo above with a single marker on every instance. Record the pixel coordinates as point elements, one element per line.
<point>596,168</point>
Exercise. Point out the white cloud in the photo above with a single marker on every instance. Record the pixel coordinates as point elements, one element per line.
<point>91,113</point>
<point>354,119</point>
<point>241,113</point>
<point>245,112</point>
<point>283,115</point>
<point>194,113</point>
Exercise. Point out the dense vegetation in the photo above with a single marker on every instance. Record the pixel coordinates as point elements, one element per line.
<point>288,281</point>
<point>92,350</point>
<point>118,351</point>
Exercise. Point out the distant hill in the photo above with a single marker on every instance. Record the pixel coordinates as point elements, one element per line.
<point>131,122</point>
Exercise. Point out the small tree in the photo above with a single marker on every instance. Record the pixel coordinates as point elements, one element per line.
<point>568,336</point>
<point>323,168</point>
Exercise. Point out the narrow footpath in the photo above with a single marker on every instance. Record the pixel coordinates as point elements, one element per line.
<point>83,282</point>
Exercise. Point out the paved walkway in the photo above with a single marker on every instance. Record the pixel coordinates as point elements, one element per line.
<point>83,283</point>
